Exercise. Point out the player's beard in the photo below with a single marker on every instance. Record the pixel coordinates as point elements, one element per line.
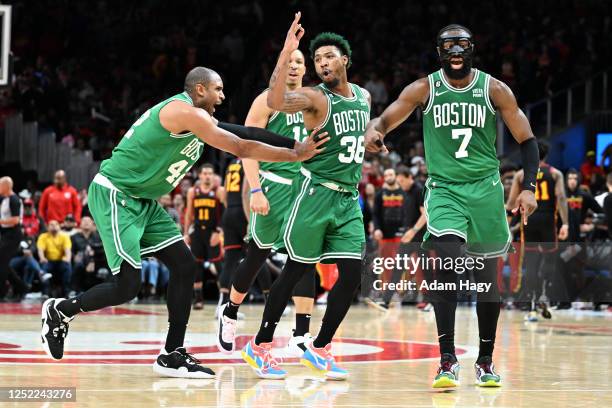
<point>457,73</point>
<point>332,84</point>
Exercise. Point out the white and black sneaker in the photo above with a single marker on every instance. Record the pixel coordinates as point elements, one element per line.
<point>54,328</point>
<point>297,344</point>
<point>181,364</point>
<point>226,332</point>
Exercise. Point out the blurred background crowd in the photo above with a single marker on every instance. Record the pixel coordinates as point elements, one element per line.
<point>87,70</point>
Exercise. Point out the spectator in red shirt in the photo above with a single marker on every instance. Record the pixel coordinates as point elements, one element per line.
<point>59,200</point>
<point>592,174</point>
<point>30,221</point>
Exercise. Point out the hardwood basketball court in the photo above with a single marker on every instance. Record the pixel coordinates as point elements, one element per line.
<point>391,357</point>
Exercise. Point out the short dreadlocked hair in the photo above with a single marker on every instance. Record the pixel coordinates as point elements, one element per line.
<point>334,39</point>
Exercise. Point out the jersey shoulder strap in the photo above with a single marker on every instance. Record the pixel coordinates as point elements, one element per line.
<point>431,80</point>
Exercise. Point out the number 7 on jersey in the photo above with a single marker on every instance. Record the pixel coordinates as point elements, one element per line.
<point>467,135</point>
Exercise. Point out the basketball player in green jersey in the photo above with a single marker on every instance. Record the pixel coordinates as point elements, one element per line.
<point>151,159</point>
<point>464,200</point>
<point>269,202</point>
<point>324,222</point>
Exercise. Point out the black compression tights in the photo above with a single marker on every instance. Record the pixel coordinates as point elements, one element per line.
<point>445,302</point>
<point>251,268</point>
<point>248,269</point>
<point>231,260</point>
<point>338,301</point>
<point>126,284</point>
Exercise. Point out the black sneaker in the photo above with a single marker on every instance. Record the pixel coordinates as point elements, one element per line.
<point>545,311</point>
<point>54,329</point>
<point>181,364</point>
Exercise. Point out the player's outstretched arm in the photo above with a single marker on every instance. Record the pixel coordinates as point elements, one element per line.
<point>258,116</point>
<point>414,95</point>
<point>503,98</point>
<point>178,117</point>
<point>561,204</point>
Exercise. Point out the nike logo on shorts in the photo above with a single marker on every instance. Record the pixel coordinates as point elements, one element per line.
<point>496,182</point>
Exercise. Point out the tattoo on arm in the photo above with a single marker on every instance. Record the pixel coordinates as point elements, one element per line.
<point>295,101</point>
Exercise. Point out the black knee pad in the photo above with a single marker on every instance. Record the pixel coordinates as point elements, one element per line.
<point>349,273</point>
<point>446,246</point>
<point>488,274</point>
<point>449,246</point>
<point>127,283</point>
<point>306,285</point>
<point>179,260</point>
<point>247,270</point>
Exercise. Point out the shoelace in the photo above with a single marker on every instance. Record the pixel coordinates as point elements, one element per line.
<point>61,330</point>
<point>268,358</point>
<point>446,366</point>
<point>487,368</point>
<point>191,358</point>
<point>327,354</point>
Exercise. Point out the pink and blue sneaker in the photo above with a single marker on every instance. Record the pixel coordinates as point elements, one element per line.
<point>322,361</point>
<point>260,358</point>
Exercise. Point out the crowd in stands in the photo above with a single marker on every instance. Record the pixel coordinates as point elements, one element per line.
<point>89,99</point>
<point>61,252</point>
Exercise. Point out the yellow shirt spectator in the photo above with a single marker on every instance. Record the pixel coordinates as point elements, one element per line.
<point>54,246</point>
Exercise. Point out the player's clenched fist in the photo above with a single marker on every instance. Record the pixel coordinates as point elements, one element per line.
<point>373,141</point>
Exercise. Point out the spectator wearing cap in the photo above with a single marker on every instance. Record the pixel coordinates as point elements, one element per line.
<point>30,221</point>
<point>59,200</point>
<point>55,253</point>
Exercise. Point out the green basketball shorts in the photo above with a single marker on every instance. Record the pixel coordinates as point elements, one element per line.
<point>266,229</point>
<point>322,224</point>
<point>473,211</point>
<point>129,227</point>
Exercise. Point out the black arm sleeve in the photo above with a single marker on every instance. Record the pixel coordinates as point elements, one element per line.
<point>258,134</point>
<point>530,157</point>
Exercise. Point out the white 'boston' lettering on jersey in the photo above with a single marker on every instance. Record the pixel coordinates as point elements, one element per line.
<point>459,114</point>
<point>350,121</point>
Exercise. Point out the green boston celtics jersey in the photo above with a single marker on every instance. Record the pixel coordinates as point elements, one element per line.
<point>459,130</point>
<point>150,161</point>
<point>345,124</point>
<point>290,125</point>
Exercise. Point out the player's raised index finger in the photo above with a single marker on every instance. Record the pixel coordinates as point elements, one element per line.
<point>296,20</point>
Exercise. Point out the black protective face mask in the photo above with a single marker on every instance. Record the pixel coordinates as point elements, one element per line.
<point>456,46</point>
